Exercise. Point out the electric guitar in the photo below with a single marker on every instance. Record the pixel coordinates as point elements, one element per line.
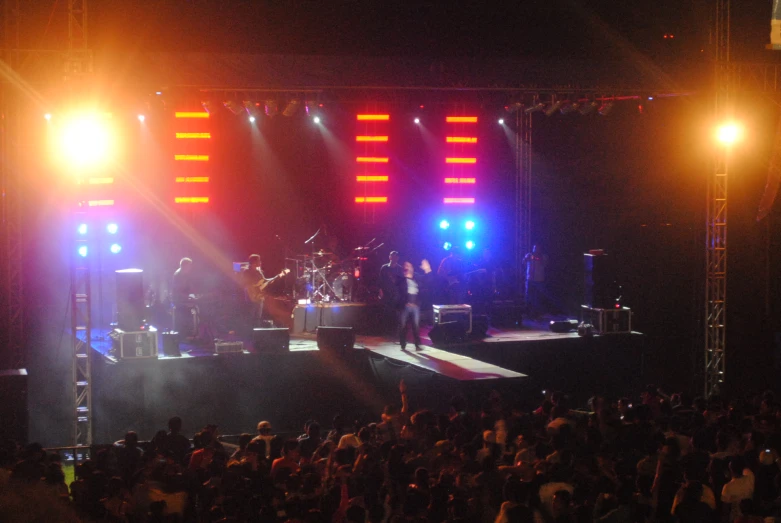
<point>453,279</point>
<point>257,291</point>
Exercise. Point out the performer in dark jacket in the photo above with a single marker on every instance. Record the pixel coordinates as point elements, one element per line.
<point>410,304</point>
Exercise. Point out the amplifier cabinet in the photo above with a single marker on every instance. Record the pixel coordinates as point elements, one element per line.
<point>608,321</point>
<point>225,347</point>
<point>128,345</point>
<point>459,313</point>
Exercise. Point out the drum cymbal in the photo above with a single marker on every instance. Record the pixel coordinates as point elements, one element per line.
<point>323,253</point>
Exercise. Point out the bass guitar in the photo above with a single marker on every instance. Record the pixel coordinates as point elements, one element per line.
<point>257,291</point>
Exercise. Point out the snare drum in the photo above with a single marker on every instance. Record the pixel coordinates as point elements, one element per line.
<point>343,286</point>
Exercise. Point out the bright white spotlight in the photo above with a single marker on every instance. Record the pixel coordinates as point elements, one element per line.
<point>469,225</point>
<point>112,228</point>
<point>115,248</point>
<point>82,229</point>
<point>84,142</point>
<point>501,121</point>
<point>417,120</point>
<point>447,246</point>
<point>316,119</point>
<point>729,133</point>
<point>444,224</point>
<point>252,119</point>
<point>83,251</point>
<point>141,117</point>
<point>470,245</point>
<point>47,116</point>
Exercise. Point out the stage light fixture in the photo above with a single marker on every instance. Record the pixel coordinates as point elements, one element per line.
<point>158,93</point>
<point>115,248</point>
<point>417,120</point>
<point>589,108</point>
<point>252,119</point>
<point>555,106</point>
<point>82,229</point>
<point>513,107</point>
<point>233,107</point>
<point>501,121</point>
<point>112,228</point>
<point>444,224</point>
<point>82,250</point>
<point>469,225</point>
<point>85,142</point>
<point>316,119</point>
<point>447,246</point>
<point>539,106</point>
<point>470,245</point>
<point>569,108</point>
<point>271,108</point>
<point>605,109</point>
<point>47,116</point>
<point>729,133</point>
<point>141,117</point>
<point>291,108</point>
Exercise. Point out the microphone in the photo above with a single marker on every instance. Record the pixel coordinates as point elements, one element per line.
<point>313,237</point>
<point>380,245</point>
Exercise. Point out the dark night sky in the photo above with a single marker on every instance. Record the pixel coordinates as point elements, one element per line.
<point>553,28</point>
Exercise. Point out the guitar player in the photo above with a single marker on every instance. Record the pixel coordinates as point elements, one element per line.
<point>254,283</point>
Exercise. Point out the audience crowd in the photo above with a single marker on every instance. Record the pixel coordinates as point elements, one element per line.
<point>654,458</point>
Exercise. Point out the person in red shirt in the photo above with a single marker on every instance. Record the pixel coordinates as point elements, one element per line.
<point>283,467</point>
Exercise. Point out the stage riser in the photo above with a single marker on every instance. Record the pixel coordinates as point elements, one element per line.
<point>364,319</point>
<point>238,390</point>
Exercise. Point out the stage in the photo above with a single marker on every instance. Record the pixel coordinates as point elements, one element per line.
<point>236,390</point>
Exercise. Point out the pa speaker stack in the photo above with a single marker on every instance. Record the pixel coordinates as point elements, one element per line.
<point>599,280</point>
<point>335,338</point>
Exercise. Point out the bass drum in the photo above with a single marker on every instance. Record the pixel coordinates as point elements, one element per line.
<point>343,286</point>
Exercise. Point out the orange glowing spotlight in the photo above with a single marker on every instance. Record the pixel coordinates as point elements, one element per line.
<point>84,142</point>
<point>729,133</point>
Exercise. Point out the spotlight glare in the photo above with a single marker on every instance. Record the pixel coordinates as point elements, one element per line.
<point>501,121</point>
<point>729,133</point>
<point>115,248</point>
<point>83,251</point>
<point>252,119</point>
<point>469,225</point>
<point>470,245</point>
<point>47,116</point>
<point>417,120</point>
<point>112,228</point>
<point>141,117</point>
<point>85,142</point>
<point>82,229</point>
<point>444,224</point>
<point>447,246</point>
<point>316,119</point>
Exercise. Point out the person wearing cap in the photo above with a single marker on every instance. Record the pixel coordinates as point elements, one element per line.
<point>264,434</point>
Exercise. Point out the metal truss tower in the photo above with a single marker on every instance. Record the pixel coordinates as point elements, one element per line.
<point>716,220</point>
<point>523,196</point>
<point>11,282</point>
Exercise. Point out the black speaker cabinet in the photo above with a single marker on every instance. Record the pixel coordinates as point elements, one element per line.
<point>480,324</point>
<point>598,281</point>
<point>130,299</point>
<point>335,338</point>
<point>171,344</point>
<point>564,326</point>
<point>272,340</point>
<point>13,407</point>
<point>447,332</point>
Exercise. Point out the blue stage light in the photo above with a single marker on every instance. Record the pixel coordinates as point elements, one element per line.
<point>83,251</point>
<point>112,228</point>
<point>447,246</point>
<point>444,224</point>
<point>82,229</point>
<point>470,245</point>
<point>469,225</point>
<point>115,248</point>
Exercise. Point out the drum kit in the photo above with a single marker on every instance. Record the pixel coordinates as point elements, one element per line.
<point>324,277</point>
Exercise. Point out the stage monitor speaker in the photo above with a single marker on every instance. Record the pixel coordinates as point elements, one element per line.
<point>171,344</point>
<point>447,332</point>
<point>13,407</point>
<point>335,338</point>
<point>271,340</point>
<point>599,281</point>
<point>564,326</point>
<point>130,299</point>
<point>480,324</point>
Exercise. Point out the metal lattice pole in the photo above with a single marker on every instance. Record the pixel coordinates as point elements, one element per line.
<point>523,160</point>
<point>81,336</point>
<point>716,219</point>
